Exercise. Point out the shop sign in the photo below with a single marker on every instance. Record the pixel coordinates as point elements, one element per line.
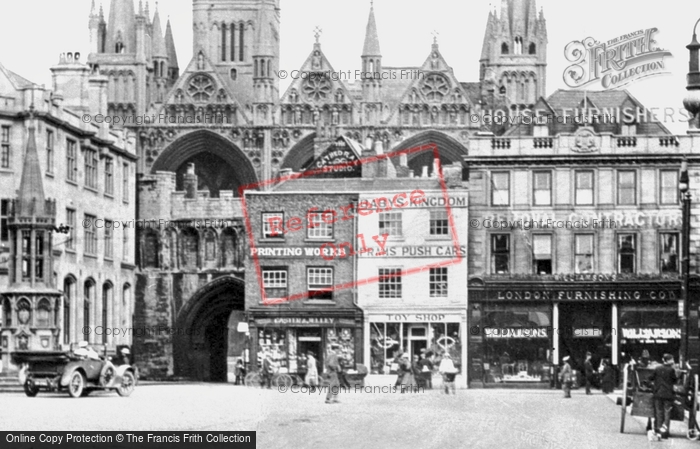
<point>416,318</point>
<point>651,334</point>
<point>584,295</point>
<point>515,332</point>
<point>419,251</point>
<point>303,321</point>
<point>588,332</point>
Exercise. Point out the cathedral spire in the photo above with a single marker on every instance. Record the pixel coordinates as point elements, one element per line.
<point>371,47</point>
<point>158,42</point>
<point>170,47</point>
<point>121,27</point>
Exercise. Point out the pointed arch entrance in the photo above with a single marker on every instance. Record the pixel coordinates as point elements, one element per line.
<point>207,330</point>
<point>219,163</point>
<point>449,149</point>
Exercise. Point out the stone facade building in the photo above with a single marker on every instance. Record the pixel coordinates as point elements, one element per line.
<point>66,265</point>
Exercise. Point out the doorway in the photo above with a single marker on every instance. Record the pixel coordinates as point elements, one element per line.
<point>585,327</point>
<point>309,340</point>
<point>417,338</point>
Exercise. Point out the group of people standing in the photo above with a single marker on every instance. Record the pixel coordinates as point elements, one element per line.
<point>418,371</point>
<point>605,373</point>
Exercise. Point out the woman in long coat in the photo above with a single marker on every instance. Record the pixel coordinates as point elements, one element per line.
<point>608,377</point>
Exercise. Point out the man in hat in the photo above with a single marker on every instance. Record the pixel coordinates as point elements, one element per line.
<point>589,372</point>
<point>664,378</point>
<point>268,369</point>
<point>332,368</point>
<point>565,377</point>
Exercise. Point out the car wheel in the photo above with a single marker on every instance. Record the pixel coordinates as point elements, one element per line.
<point>30,389</point>
<point>127,385</point>
<point>76,385</point>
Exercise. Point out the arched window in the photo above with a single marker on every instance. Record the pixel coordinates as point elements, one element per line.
<point>172,242</point>
<point>126,304</point>
<point>371,66</point>
<point>504,48</point>
<point>518,47</point>
<point>106,302</point>
<point>7,313</point>
<point>268,68</point>
<point>234,74</point>
<point>68,298</point>
<point>119,47</point>
<point>43,316</point>
<point>241,43</point>
<point>223,42</point>
<point>229,248</point>
<point>210,245</point>
<point>190,248</point>
<point>24,312</point>
<point>162,68</point>
<point>149,251</point>
<point>533,49</point>
<point>88,298</point>
<point>233,42</point>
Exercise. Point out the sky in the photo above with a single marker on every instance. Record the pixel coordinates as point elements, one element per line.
<point>34,32</point>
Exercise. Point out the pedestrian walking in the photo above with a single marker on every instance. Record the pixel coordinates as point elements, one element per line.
<point>663,378</point>
<point>426,369</point>
<point>302,365</point>
<point>449,372</point>
<point>332,368</point>
<point>341,374</point>
<point>607,377</point>
<point>268,369</point>
<point>588,372</point>
<point>240,372</point>
<point>311,378</point>
<point>566,376</point>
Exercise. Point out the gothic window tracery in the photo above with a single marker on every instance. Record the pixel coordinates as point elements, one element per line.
<point>435,87</point>
<point>317,88</point>
<point>201,88</point>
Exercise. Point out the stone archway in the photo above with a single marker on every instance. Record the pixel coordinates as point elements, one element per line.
<point>206,330</point>
<point>449,149</point>
<point>219,163</point>
<point>301,155</point>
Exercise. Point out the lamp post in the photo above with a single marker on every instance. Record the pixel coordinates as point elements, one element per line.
<point>684,307</point>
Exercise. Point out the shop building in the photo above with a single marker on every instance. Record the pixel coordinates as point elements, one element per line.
<point>577,245</point>
<point>411,281</point>
<point>299,295</point>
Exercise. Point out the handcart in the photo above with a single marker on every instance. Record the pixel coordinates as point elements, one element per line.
<point>637,395</point>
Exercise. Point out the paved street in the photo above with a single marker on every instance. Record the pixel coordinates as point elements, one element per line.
<point>473,418</point>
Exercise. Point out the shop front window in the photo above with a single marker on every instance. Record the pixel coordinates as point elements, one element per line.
<point>654,328</point>
<point>516,343</point>
<point>273,341</point>
<point>389,340</point>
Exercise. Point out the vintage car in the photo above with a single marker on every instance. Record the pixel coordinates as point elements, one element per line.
<point>77,371</point>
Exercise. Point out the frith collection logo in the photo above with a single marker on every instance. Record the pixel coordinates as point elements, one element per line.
<point>615,63</point>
